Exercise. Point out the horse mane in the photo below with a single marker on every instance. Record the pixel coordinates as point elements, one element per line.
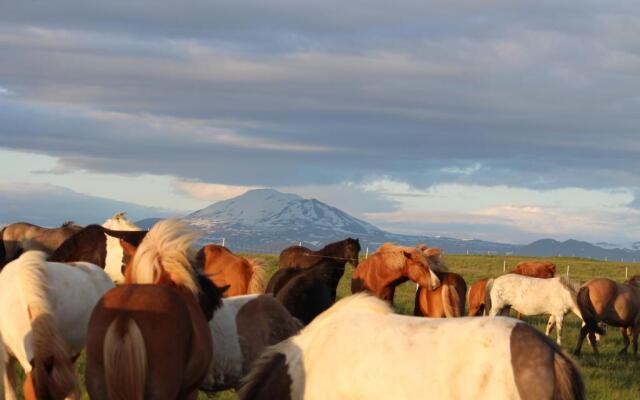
<point>331,248</point>
<point>394,257</point>
<point>167,247</point>
<point>120,215</point>
<point>434,258</point>
<point>120,222</point>
<point>258,275</point>
<point>67,224</point>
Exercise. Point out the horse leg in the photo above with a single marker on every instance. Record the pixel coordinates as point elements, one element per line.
<point>559,320</point>
<point>636,331</point>
<point>625,340</point>
<point>594,342</point>
<point>583,334</point>
<point>10,379</point>
<point>550,324</point>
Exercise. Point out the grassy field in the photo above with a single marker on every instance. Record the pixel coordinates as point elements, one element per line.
<point>607,376</point>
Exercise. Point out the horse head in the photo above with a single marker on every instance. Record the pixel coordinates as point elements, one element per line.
<point>417,269</point>
<point>352,251</point>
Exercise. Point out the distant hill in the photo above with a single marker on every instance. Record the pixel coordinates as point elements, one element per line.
<point>49,205</point>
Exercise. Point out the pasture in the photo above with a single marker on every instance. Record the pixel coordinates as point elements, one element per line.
<point>607,377</point>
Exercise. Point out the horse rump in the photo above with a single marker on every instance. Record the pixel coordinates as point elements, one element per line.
<point>588,312</point>
<point>269,377</point>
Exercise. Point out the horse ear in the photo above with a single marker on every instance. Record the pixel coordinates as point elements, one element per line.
<point>128,249</point>
<point>407,254</point>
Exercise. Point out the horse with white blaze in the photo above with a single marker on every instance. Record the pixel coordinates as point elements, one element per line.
<point>360,349</point>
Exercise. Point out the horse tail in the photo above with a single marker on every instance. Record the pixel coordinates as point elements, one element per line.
<point>52,365</point>
<point>257,281</point>
<point>450,301</point>
<point>568,381</point>
<point>270,374</point>
<point>125,360</point>
<point>487,296</point>
<point>587,311</point>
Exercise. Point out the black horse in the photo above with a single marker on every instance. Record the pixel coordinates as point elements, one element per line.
<point>341,252</point>
<point>306,292</point>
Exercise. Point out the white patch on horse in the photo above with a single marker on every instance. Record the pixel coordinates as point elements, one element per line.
<point>114,260</point>
<point>227,364</point>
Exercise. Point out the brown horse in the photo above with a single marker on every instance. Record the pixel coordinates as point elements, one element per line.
<point>536,269</point>
<point>390,266</point>
<point>475,298</point>
<point>448,300</point>
<point>341,252</point>
<point>22,236</point>
<point>243,275</point>
<point>149,338</point>
<point>616,304</point>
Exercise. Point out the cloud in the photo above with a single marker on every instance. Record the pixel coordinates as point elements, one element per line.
<point>210,191</point>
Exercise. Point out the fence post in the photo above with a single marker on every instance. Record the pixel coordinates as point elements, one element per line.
<point>504,265</point>
<point>626,273</point>
<point>568,269</point>
<point>366,254</point>
<point>223,239</point>
<point>300,244</point>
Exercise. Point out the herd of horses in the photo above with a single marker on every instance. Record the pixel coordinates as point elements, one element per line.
<point>160,318</point>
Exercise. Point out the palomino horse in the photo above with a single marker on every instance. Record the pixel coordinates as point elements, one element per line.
<point>475,298</point>
<point>114,258</point>
<point>306,292</point>
<point>149,338</point>
<point>617,304</point>
<point>241,329</point>
<point>533,296</point>
<point>448,300</point>
<point>243,275</point>
<point>360,349</point>
<point>94,244</point>
<point>44,314</point>
<point>21,236</point>
<point>341,252</point>
<point>536,269</point>
<point>390,266</point>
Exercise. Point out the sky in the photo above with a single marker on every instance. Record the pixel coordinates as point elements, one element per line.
<point>506,121</point>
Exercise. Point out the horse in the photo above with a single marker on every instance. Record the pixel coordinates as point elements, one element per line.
<point>447,301</point>
<point>2,358</point>
<point>127,358</point>
<point>617,304</point>
<point>95,244</point>
<point>536,269</point>
<point>475,298</point>
<point>244,275</point>
<point>390,266</point>
<point>306,292</point>
<point>341,252</point>
<point>22,236</point>
<point>533,296</point>
<point>360,349</point>
<point>241,329</point>
<point>44,314</point>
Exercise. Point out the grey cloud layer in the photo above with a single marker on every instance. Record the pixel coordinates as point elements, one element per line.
<point>278,93</point>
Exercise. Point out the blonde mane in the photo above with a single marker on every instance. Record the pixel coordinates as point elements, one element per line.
<point>394,257</point>
<point>258,276</point>
<point>568,284</point>
<point>167,247</point>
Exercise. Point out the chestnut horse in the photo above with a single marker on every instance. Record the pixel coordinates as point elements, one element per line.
<point>390,266</point>
<point>616,304</point>
<point>536,269</point>
<point>149,338</point>
<point>475,298</point>
<point>360,349</point>
<point>341,252</point>
<point>243,275</point>
<point>448,300</point>
<point>22,236</point>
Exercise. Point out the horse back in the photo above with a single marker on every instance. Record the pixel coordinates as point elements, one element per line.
<point>223,268</point>
<point>281,278</point>
<point>297,256</point>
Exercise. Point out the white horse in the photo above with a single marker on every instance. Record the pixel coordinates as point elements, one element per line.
<point>241,329</point>
<point>44,315</point>
<point>533,296</point>
<point>113,262</point>
<point>359,349</point>
<point>2,358</point>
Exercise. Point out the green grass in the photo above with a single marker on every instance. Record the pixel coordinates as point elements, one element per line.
<point>607,376</point>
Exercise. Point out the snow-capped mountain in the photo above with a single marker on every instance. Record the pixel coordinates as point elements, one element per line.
<point>266,221</point>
